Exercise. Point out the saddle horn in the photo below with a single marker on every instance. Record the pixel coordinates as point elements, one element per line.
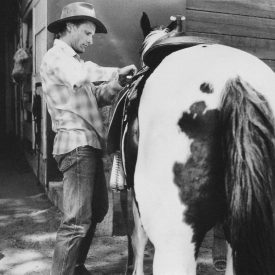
<point>179,21</point>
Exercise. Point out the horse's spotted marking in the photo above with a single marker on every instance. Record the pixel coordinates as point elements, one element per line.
<point>207,88</point>
<point>200,178</point>
<point>198,108</point>
<point>198,122</point>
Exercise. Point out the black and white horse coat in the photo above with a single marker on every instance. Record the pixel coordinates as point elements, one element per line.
<point>206,155</point>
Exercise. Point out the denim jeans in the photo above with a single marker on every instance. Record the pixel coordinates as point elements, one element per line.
<point>85,203</point>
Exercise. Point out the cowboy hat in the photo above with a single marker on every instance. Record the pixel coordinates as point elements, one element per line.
<point>77,11</point>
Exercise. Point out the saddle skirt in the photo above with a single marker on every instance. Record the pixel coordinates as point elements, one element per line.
<point>120,109</point>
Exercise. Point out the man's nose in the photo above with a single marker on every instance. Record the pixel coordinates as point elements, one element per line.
<point>90,40</point>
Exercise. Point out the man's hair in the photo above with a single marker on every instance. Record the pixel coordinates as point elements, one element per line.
<point>63,27</point>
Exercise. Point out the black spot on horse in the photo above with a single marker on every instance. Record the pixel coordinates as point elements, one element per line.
<point>200,178</point>
<point>198,122</point>
<point>207,88</point>
<point>198,107</point>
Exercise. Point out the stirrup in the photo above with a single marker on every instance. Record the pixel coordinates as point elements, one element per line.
<point>117,179</point>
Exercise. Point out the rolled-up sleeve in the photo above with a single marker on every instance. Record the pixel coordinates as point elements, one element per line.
<point>106,92</point>
<point>99,73</point>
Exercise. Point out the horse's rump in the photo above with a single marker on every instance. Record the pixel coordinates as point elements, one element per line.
<point>181,167</point>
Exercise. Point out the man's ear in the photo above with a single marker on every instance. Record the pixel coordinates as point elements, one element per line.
<point>145,24</point>
<point>69,26</point>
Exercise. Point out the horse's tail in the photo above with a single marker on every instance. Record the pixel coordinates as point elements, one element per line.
<point>248,143</point>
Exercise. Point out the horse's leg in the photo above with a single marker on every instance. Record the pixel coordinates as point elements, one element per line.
<point>128,224</point>
<point>229,265</point>
<point>174,258</point>
<point>139,240</point>
<point>136,235</point>
<point>161,213</point>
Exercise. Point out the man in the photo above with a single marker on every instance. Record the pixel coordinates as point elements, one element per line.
<point>73,102</point>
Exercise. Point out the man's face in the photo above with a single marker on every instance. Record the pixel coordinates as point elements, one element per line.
<point>81,36</point>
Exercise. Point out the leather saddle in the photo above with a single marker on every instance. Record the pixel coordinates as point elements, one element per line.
<point>170,43</point>
<point>121,108</point>
<point>123,131</point>
<point>173,41</point>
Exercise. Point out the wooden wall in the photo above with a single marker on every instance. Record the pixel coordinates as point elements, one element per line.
<point>244,24</point>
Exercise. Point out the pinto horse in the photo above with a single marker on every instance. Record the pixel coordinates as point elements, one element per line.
<point>206,154</point>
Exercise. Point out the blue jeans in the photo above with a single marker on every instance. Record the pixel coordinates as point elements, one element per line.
<point>85,203</point>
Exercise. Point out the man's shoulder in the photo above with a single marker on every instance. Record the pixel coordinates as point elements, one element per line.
<point>52,56</point>
<point>53,52</point>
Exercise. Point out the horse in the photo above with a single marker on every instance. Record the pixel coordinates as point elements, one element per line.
<point>206,149</point>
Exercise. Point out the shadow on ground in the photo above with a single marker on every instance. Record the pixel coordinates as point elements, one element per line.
<point>28,221</point>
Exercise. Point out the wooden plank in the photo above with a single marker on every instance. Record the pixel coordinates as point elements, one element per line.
<point>262,48</point>
<point>259,8</point>
<point>218,23</point>
<point>40,16</point>
<point>40,44</point>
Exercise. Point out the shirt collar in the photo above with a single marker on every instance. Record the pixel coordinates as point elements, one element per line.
<point>65,47</point>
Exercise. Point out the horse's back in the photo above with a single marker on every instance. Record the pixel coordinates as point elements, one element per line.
<point>184,71</point>
<point>192,81</point>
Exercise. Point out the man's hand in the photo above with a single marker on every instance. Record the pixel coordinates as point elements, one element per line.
<point>129,70</point>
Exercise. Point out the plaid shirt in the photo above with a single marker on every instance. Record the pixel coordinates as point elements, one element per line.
<point>72,99</point>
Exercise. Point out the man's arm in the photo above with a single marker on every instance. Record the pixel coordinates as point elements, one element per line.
<point>106,92</point>
<point>98,73</point>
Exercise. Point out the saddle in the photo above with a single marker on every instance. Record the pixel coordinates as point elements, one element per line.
<point>123,132</point>
<point>122,107</point>
<point>171,42</point>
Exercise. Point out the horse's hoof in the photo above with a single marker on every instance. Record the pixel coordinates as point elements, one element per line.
<point>129,270</point>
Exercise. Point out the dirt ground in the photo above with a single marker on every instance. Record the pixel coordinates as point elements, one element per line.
<point>28,224</point>
<point>28,229</point>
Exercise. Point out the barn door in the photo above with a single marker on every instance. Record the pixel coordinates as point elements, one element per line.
<point>39,128</point>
